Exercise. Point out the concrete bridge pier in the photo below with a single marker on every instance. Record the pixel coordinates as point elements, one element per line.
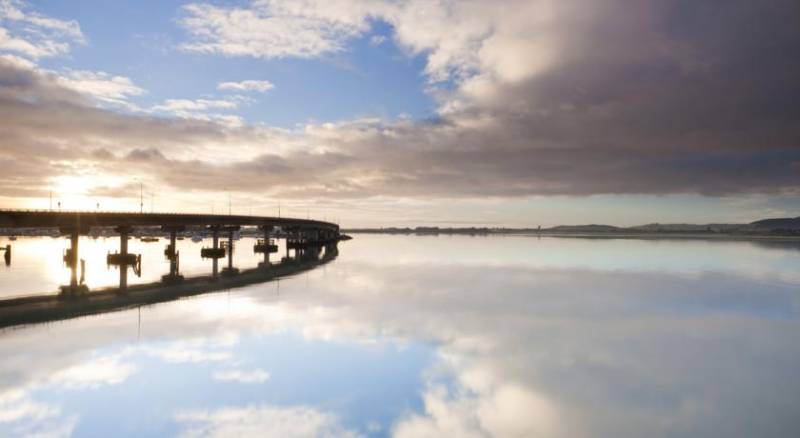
<point>123,252</point>
<point>7,254</point>
<point>172,254</point>
<point>71,260</point>
<point>72,257</point>
<point>215,245</point>
<point>215,252</point>
<point>264,245</point>
<point>266,230</point>
<point>123,258</point>
<point>230,249</point>
<point>230,270</point>
<point>286,240</point>
<point>298,250</point>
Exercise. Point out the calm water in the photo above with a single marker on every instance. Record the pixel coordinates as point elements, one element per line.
<point>424,336</point>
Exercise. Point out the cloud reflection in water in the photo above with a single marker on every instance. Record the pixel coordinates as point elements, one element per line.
<point>403,343</point>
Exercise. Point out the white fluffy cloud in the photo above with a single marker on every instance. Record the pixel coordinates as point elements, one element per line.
<point>20,415</point>
<point>242,376</point>
<point>15,11</point>
<point>101,86</point>
<point>268,29</point>
<point>506,411</point>
<point>201,109</point>
<point>460,38</point>
<point>33,35</point>
<point>176,105</point>
<point>94,373</point>
<point>262,421</point>
<point>23,46</point>
<point>249,85</point>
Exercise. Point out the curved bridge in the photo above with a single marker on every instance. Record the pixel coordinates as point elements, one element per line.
<point>46,308</point>
<point>303,236</point>
<point>84,220</point>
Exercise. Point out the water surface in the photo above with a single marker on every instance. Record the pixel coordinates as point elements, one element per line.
<point>426,336</point>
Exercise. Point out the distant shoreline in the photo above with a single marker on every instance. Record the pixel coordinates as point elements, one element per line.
<point>587,234</point>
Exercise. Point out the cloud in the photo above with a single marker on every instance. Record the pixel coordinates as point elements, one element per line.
<point>270,29</point>
<point>25,47</point>
<point>16,405</point>
<point>101,86</point>
<point>202,109</point>
<point>533,98</point>
<point>179,105</point>
<point>249,85</point>
<point>507,411</point>
<point>22,416</point>
<point>33,35</point>
<point>189,352</point>
<point>260,421</point>
<point>94,373</point>
<point>242,376</point>
<point>14,11</point>
<point>193,356</point>
<point>552,99</point>
<point>196,350</point>
<point>534,356</point>
<point>377,40</point>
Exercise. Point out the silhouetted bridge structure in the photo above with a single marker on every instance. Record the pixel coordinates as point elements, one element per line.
<point>83,220</point>
<point>305,237</point>
<point>45,308</point>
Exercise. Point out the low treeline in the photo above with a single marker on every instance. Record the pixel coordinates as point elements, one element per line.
<point>765,227</point>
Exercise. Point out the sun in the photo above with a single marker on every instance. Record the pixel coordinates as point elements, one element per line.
<point>72,185</point>
<point>80,192</point>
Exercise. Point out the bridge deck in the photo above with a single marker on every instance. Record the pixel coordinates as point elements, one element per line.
<point>86,219</point>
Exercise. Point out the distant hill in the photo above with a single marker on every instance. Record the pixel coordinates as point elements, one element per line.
<point>690,228</point>
<point>764,227</point>
<point>593,228</point>
<point>783,224</point>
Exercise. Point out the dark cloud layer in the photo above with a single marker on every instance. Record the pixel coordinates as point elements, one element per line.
<point>652,97</point>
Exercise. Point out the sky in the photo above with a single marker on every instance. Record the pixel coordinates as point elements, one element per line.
<point>405,113</point>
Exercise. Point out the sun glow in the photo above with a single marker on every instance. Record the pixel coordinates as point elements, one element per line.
<point>70,185</point>
<point>83,192</point>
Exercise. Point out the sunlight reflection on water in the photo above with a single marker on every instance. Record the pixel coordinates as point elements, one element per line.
<point>37,266</point>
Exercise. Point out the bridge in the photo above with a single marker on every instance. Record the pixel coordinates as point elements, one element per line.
<point>83,220</point>
<point>303,236</point>
<point>46,308</point>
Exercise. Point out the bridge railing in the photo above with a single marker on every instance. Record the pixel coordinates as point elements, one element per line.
<point>162,213</point>
<point>176,213</point>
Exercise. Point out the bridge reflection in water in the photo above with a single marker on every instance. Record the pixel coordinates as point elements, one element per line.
<point>308,243</point>
<point>43,308</point>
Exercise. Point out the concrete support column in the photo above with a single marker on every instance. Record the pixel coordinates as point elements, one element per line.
<point>73,260</point>
<point>215,245</point>
<point>230,250</point>
<point>172,254</point>
<point>173,239</point>
<point>173,249</point>
<point>266,243</point>
<point>123,251</point>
